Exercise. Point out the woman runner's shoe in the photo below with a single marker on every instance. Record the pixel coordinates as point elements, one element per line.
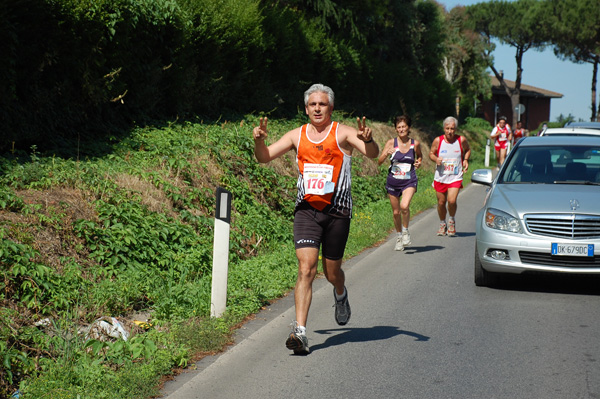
<point>406,238</point>
<point>399,245</point>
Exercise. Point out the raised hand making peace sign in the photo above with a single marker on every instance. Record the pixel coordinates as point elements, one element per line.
<point>260,132</point>
<point>364,132</point>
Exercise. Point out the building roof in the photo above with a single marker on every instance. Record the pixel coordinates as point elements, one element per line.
<point>526,90</point>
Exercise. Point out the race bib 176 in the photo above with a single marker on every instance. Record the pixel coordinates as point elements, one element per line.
<point>318,179</point>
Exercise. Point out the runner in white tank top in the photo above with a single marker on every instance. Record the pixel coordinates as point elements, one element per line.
<point>451,154</point>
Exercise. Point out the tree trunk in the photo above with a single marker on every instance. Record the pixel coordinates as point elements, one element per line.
<point>515,99</point>
<point>515,95</point>
<point>594,75</point>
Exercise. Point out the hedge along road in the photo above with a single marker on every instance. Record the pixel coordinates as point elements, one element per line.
<point>420,328</point>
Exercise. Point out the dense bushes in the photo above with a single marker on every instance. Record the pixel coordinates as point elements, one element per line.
<point>75,70</point>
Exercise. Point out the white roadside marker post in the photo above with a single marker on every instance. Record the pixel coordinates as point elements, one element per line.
<point>218,299</point>
<point>487,153</point>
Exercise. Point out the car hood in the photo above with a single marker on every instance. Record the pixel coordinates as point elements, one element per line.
<point>521,199</point>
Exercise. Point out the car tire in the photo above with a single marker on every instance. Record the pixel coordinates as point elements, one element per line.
<point>483,278</point>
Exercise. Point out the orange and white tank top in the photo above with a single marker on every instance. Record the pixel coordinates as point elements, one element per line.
<point>324,173</point>
<point>450,170</point>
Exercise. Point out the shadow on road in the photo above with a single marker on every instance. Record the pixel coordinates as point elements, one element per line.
<point>375,333</point>
<point>465,234</point>
<point>550,283</point>
<point>427,248</point>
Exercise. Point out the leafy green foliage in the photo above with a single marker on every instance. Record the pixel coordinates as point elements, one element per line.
<point>22,277</point>
<point>463,65</point>
<point>9,201</point>
<point>76,62</point>
<point>80,73</point>
<point>580,44</point>
<point>120,352</point>
<point>119,369</point>
<point>495,20</point>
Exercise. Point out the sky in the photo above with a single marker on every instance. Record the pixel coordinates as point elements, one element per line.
<point>544,70</point>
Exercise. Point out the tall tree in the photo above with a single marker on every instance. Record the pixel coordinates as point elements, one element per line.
<point>463,66</point>
<point>399,44</point>
<point>576,37</point>
<point>515,23</point>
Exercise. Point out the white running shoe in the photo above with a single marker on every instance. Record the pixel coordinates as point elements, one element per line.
<point>297,341</point>
<point>399,245</point>
<point>406,237</point>
<point>442,229</point>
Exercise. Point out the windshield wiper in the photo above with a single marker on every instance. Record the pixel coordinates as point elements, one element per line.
<point>580,182</point>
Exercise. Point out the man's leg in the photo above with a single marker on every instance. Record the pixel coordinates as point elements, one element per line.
<point>452,206</point>
<point>452,200</point>
<point>334,274</point>
<point>441,209</point>
<point>441,205</point>
<point>502,156</point>
<point>334,244</point>
<point>307,270</point>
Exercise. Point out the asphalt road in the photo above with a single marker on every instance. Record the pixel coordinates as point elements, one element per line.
<point>420,328</point>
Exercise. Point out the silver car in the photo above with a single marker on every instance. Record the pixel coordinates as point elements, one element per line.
<point>580,130</point>
<point>585,125</point>
<point>542,210</point>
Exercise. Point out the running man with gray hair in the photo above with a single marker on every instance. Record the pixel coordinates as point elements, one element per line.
<point>451,154</point>
<point>323,203</point>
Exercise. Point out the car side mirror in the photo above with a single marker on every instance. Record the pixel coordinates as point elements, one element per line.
<point>482,176</point>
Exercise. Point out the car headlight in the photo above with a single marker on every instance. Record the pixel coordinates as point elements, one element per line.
<point>496,219</point>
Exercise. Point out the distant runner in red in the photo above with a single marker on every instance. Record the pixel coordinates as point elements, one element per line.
<point>502,136</point>
<point>519,132</point>
<point>323,203</point>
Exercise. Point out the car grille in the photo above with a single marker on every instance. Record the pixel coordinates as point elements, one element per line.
<point>537,258</point>
<point>564,226</point>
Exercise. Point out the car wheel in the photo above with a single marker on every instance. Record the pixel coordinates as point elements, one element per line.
<point>483,278</point>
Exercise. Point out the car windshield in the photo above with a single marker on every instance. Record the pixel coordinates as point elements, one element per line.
<point>553,165</point>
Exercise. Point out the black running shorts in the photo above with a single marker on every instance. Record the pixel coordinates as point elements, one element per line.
<point>314,229</point>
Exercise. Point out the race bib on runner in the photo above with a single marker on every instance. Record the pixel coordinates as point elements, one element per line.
<point>450,166</point>
<point>318,179</point>
<point>401,171</point>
